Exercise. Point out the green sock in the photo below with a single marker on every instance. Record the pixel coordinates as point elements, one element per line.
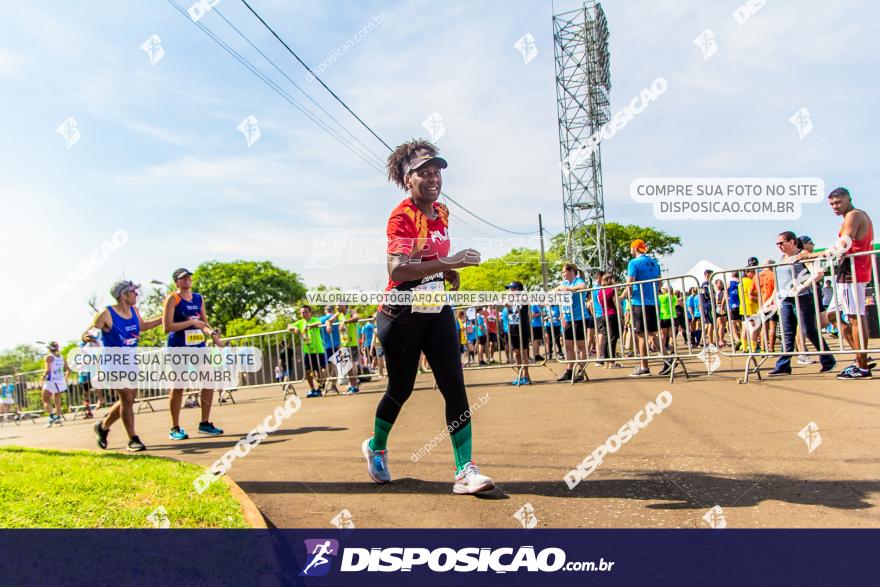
<point>380,434</point>
<point>461,446</point>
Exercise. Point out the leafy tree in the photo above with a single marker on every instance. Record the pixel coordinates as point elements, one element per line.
<point>520,264</point>
<point>24,357</point>
<point>251,290</point>
<point>619,237</point>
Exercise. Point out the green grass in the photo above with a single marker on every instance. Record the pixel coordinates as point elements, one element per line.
<point>80,489</point>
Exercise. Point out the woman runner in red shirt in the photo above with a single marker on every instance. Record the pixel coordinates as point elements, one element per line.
<point>419,260</point>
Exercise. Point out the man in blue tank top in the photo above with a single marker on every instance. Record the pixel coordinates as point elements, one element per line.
<point>120,325</point>
<point>187,326</point>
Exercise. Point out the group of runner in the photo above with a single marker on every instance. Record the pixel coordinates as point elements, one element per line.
<point>120,325</point>
<point>419,259</point>
<point>332,346</point>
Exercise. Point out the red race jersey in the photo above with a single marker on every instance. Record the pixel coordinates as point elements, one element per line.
<point>412,233</point>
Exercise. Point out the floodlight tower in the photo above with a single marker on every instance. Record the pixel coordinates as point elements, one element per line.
<point>583,83</point>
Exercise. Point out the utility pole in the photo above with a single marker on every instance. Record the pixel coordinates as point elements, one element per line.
<point>543,260</point>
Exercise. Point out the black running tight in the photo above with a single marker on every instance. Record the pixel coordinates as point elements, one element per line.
<point>404,339</point>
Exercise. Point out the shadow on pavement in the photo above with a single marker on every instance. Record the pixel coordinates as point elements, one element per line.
<point>681,489</point>
<point>203,443</point>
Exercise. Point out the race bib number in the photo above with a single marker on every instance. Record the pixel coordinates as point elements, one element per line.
<point>429,307</point>
<point>193,337</point>
<point>514,314</point>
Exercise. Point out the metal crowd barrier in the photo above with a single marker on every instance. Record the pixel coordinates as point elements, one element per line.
<point>502,347</point>
<point>285,350</point>
<point>756,343</point>
<point>619,342</point>
<point>27,394</point>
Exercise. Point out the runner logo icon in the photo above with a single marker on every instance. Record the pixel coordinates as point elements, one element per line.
<point>321,552</point>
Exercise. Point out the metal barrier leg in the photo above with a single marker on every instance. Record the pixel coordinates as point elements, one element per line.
<point>583,371</point>
<point>756,370</point>
<point>678,363</point>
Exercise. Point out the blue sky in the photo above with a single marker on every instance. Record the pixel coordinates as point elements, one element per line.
<point>160,157</point>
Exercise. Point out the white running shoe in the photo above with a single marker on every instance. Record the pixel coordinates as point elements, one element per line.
<point>470,480</point>
<point>806,360</point>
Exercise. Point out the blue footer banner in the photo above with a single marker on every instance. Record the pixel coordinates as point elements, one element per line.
<point>437,557</point>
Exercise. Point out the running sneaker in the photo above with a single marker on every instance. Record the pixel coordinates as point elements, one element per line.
<point>871,363</point>
<point>538,358</point>
<point>667,368</point>
<point>135,445</point>
<point>209,428</point>
<point>805,360</point>
<point>352,390</point>
<point>51,421</point>
<point>101,435</point>
<point>854,373</point>
<point>377,463</point>
<point>565,376</point>
<point>640,372</point>
<point>314,393</point>
<point>178,434</point>
<point>525,381</point>
<point>470,480</point>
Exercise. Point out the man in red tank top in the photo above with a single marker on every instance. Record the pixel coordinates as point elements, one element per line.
<point>852,275</point>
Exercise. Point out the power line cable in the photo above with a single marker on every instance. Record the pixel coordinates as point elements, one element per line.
<point>364,124</point>
<point>306,94</point>
<point>338,99</point>
<point>276,88</point>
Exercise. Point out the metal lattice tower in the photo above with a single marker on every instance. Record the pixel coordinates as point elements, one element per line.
<point>583,83</point>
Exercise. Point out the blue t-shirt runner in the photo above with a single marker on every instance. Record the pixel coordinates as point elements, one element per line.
<point>576,311</point>
<point>535,309</point>
<point>368,330</point>
<point>642,268</point>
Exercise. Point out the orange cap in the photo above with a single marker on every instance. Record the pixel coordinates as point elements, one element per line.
<point>639,245</point>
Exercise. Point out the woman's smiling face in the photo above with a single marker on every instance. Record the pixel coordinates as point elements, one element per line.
<point>425,182</point>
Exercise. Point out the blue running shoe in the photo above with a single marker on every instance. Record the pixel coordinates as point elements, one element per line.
<point>314,393</point>
<point>377,463</point>
<point>525,381</point>
<point>352,390</point>
<point>209,428</point>
<point>516,381</point>
<point>178,434</point>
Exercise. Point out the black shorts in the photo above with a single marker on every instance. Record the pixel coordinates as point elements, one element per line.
<point>537,332</point>
<point>602,326</point>
<point>736,315</point>
<point>314,361</point>
<point>665,322</point>
<point>575,333</point>
<point>521,343</point>
<point>493,337</point>
<point>483,340</point>
<point>644,319</point>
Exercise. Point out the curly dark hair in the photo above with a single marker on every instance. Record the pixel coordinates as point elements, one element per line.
<point>401,156</point>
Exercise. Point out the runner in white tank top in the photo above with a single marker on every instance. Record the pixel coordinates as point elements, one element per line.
<point>54,384</point>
